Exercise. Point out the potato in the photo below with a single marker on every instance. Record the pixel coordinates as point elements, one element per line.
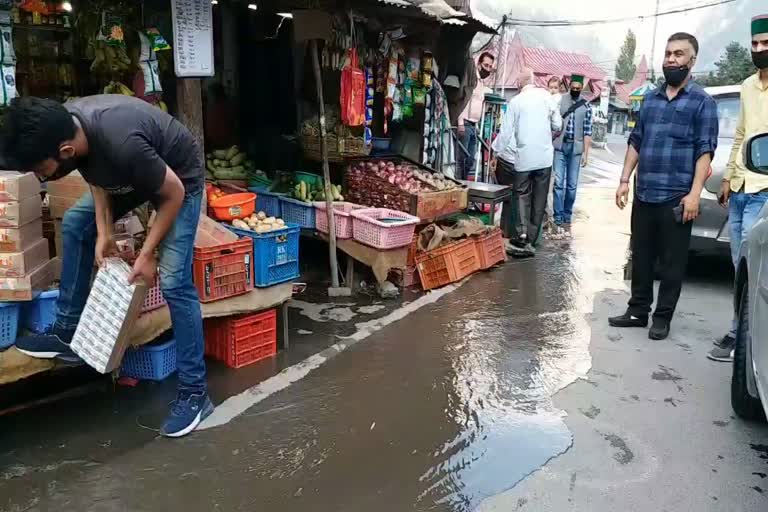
<point>261,215</point>
<point>270,220</point>
<point>240,224</point>
<point>280,222</point>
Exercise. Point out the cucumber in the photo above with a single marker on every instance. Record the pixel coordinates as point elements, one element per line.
<point>220,154</point>
<point>231,153</point>
<point>237,159</point>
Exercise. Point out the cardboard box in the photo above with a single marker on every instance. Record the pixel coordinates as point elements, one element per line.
<point>211,233</point>
<point>71,185</point>
<point>128,225</point>
<point>18,264</point>
<point>18,239</point>
<point>24,288</point>
<point>17,213</point>
<point>16,186</point>
<point>60,204</point>
<point>103,333</point>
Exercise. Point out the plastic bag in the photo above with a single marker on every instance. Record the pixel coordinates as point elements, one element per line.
<point>352,92</point>
<point>7,53</point>
<point>159,43</point>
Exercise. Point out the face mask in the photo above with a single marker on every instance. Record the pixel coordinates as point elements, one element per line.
<point>484,73</point>
<point>66,166</point>
<point>676,75</point>
<point>575,94</point>
<point>760,59</point>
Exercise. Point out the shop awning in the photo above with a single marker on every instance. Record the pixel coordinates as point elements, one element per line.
<point>441,11</point>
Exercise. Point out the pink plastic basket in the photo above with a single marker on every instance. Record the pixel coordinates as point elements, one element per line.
<point>342,218</point>
<point>154,299</point>
<point>370,230</point>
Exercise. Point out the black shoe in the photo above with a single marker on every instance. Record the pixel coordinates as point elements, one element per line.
<point>628,320</point>
<point>520,251</point>
<point>52,345</point>
<point>725,341</point>
<point>659,330</point>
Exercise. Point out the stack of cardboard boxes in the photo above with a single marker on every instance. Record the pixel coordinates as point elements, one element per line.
<point>25,264</point>
<point>62,195</point>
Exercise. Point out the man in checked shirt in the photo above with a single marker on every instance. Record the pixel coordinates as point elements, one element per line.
<point>672,147</point>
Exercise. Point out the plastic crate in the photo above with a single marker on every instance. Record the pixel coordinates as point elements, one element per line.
<point>312,180</point>
<point>369,230</point>
<point>490,249</point>
<point>298,212</point>
<point>276,254</point>
<point>242,339</point>
<point>413,249</point>
<point>150,362</point>
<point>223,270</point>
<point>269,203</point>
<point>342,218</point>
<point>154,298</point>
<point>411,277</point>
<point>447,264</point>
<point>9,323</point>
<point>40,314</point>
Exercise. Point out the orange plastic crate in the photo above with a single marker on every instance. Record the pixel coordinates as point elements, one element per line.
<point>490,249</point>
<point>242,339</point>
<point>223,270</point>
<point>447,264</point>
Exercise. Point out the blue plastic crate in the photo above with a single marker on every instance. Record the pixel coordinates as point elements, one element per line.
<point>268,202</point>
<point>298,212</point>
<point>275,254</point>
<point>40,314</point>
<point>150,362</point>
<point>9,323</point>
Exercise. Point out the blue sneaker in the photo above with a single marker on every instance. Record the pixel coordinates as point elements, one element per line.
<point>52,345</point>
<point>187,411</point>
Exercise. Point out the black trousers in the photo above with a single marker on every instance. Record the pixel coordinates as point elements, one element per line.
<point>530,199</point>
<point>657,236</point>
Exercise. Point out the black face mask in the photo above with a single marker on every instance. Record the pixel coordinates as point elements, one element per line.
<point>484,73</point>
<point>760,59</point>
<point>66,166</point>
<point>575,94</point>
<point>676,75</point>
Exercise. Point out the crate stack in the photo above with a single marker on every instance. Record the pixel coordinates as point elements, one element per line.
<point>62,195</point>
<point>25,264</point>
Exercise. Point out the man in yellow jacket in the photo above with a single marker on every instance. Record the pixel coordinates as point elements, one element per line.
<point>742,191</point>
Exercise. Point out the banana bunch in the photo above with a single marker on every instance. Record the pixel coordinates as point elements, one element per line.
<point>110,59</point>
<point>118,88</point>
<point>162,106</point>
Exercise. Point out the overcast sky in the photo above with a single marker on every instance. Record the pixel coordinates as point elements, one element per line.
<point>715,27</point>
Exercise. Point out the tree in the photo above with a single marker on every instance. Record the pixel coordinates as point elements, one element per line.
<point>734,66</point>
<point>625,67</point>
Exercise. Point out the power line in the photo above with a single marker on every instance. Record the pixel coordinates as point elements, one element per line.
<point>579,23</point>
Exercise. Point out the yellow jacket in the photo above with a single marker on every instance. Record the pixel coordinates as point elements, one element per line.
<point>753,120</point>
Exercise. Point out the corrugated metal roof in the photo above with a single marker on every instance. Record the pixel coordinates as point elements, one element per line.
<point>561,64</point>
<point>440,10</point>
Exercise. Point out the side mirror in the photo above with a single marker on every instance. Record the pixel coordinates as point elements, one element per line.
<point>756,154</point>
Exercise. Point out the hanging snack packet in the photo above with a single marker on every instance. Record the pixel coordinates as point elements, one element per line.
<point>112,30</point>
<point>151,77</point>
<point>7,53</point>
<point>147,52</point>
<point>159,43</point>
<point>8,86</point>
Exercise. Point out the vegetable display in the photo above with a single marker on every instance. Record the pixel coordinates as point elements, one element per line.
<point>230,164</point>
<point>309,193</point>
<point>259,223</point>
<point>407,177</point>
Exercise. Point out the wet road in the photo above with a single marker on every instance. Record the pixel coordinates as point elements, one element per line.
<point>506,393</point>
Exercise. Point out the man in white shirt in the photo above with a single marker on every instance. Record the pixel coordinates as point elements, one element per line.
<point>469,119</point>
<point>524,155</point>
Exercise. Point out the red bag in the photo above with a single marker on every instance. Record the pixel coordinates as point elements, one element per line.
<point>352,92</point>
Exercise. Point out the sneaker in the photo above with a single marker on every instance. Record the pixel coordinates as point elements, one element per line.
<point>530,250</point>
<point>659,330</point>
<point>518,251</point>
<point>725,341</point>
<point>628,320</point>
<point>47,346</point>
<point>567,233</point>
<point>721,354</point>
<point>187,411</point>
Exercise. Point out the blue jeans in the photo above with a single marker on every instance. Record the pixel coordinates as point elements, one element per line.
<point>467,160</point>
<point>567,167</point>
<point>743,212</point>
<point>175,270</point>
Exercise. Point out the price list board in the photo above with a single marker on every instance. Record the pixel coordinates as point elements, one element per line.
<point>193,38</point>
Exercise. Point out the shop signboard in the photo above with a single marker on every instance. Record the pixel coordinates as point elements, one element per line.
<point>193,37</point>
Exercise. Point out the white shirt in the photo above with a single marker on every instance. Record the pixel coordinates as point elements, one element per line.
<point>474,109</point>
<point>525,137</point>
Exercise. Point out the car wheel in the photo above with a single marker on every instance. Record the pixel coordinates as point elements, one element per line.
<point>744,404</point>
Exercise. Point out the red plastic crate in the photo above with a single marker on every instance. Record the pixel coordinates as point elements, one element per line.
<point>490,249</point>
<point>223,270</point>
<point>242,339</point>
<point>447,264</point>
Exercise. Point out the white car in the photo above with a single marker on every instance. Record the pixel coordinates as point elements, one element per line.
<point>749,385</point>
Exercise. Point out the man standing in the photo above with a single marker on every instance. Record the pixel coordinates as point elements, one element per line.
<point>673,142</point>
<point>571,152</point>
<point>524,158</point>
<point>469,119</point>
<point>742,191</point>
<point>129,152</point>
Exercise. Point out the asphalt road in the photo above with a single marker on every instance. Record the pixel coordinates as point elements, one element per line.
<point>508,392</point>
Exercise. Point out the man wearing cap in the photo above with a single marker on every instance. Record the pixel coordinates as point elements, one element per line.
<point>744,192</point>
<point>571,152</point>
